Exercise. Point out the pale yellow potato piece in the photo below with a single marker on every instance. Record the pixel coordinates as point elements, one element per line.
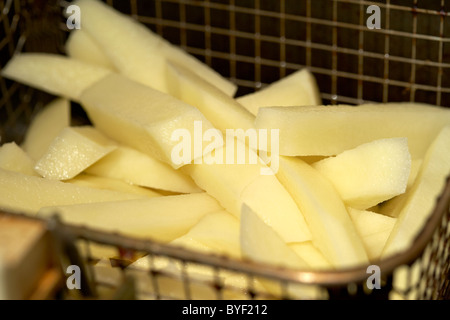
<point>91,181</point>
<point>392,207</point>
<point>45,126</point>
<point>420,200</point>
<point>218,231</point>
<point>330,130</point>
<point>190,243</point>
<point>374,229</point>
<point>260,243</point>
<point>141,117</point>
<point>177,55</point>
<point>297,89</point>
<point>235,184</point>
<point>56,74</point>
<point>72,151</point>
<point>311,255</point>
<point>133,166</point>
<point>415,168</point>
<point>24,257</point>
<point>370,173</point>
<point>13,158</point>
<point>333,232</point>
<point>127,43</point>
<point>136,51</point>
<point>27,194</point>
<point>160,218</point>
<point>276,207</point>
<point>81,46</point>
<point>225,182</point>
<point>222,110</point>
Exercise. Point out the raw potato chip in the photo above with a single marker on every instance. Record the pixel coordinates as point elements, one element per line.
<point>143,118</point>
<point>45,126</point>
<point>333,232</point>
<point>330,130</point>
<point>223,111</point>
<point>13,158</point>
<point>133,166</point>
<point>53,73</point>
<point>297,89</point>
<point>159,218</point>
<point>137,52</point>
<point>91,181</point>
<point>27,194</point>
<point>261,243</point>
<point>422,197</point>
<point>370,173</point>
<point>374,229</point>
<point>81,46</point>
<point>72,151</point>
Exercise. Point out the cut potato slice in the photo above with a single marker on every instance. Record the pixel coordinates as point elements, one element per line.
<point>176,55</point>
<point>45,126</point>
<point>222,110</point>
<point>259,242</point>
<point>27,194</point>
<point>127,43</point>
<point>374,229</point>
<point>218,231</point>
<point>160,218</point>
<point>392,207</point>
<point>297,89</point>
<point>81,46</point>
<point>136,51</point>
<point>262,244</point>
<point>13,158</point>
<point>332,229</point>
<point>87,180</point>
<point>225,182</point>
<point>311,255</point>
<point>190,243</point>
<point>416,164</point>
<point>235,184</point>
<point>53,73</point>
<point>25,252</point>
<point>142,117</point>
<point>422,197</point>
<point>275,206</point>
<point>330,130</point>
<point>370,173</point>
<point>72,151</point>
<point>133,166</point>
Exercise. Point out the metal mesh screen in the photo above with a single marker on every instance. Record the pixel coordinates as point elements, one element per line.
<point>257,42</point>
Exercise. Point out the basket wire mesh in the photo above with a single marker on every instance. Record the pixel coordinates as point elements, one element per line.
<point>254,43</point>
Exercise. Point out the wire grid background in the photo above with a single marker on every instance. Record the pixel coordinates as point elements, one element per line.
<point>256,42</point>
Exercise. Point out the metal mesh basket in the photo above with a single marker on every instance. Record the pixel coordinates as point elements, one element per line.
<point>253,43</point>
